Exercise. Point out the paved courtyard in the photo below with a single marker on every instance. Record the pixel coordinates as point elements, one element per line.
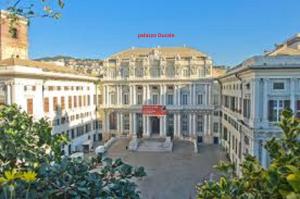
<point>170,175</point>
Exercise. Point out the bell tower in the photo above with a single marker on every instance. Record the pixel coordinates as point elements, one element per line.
<point>13,36</point>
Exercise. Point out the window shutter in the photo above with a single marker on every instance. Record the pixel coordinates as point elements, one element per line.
<point>46,105</point>
<point>30,106</point>
<point>271,103</point>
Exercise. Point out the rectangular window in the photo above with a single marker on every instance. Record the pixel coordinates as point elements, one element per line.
<point>80,101</point>
<point>125,98</point>
<point>225,134</point>
<point>184,124</point>
<point>55,104</point>
<point>75,101</point>
<point>50,88</point>
<point>30,106</point>
<point>126,121</point>
<point>246,108</point>
<point>278,85</point>
<point>95,99</point>
<point>88,100</point>
<point>275,109</point>
<point>80,131</point>
<point>113,99</point>
<point>199,123</point>
<point>155,99</point>
<point>184,99</point>
<point>99,99</point>
<point>216,127</point>
<point>139,99</point>
<point>170,99</point>
<point>199,99</point>
<point>84,100</point>
<point>70,102</point>
<point>46,105</point>
<point>113,121</point>
<point>72,133</point>
<point>62,99</point>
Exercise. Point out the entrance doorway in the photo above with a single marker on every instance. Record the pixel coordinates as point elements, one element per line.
<point>154,126</point>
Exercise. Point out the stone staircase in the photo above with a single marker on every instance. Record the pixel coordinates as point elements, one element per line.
<point>155,145</point>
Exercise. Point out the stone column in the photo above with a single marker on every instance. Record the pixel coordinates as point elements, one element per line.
<point>194,94</point>
<point>130,124</point>
<point>178,96</point>
<point>121,95</point>
<point>179,125</point>
<point>148,94</point>
<point>190,125</point>
<point>175,95</point>
<point>119,120</point>
<point>194,124</point>
<point>265,101</point>
<point>175,124</point>
<point>104,97</point>
<point>144,94</point>
<point>130,94</point>
<point>209,94</point>
<point>108,96</point>
<point>161,126</point>
<point>121,129</point>
<point>191,94</point>
<point>205,131</point>
<point>8,94</point>
<point>106,122</point>
<point>148,126</point>
<point>134,123</point>
<point>165,125</point>
<point>134,95</point>
<point>145,126</point>
<point>293,91</point>
<point>209,124</point>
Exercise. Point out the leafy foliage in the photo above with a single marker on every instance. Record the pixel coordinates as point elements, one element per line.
<point>280,180</point>
<point>31,165</point>
<point>34,8</point>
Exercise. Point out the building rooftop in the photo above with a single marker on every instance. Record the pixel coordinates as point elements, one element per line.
<point>162,51</point>
<point>265,62</point>
<point>47,67</point>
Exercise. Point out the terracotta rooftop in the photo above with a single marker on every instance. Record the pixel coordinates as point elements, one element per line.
<point>162,51</point>
<point>48,67</point>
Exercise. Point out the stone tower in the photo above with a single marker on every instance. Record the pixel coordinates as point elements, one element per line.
<point>13,37</point>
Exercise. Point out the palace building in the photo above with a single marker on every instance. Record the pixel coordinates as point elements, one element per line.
<point>66,98</point>
<point>177,80</point>
<point>254,94</point>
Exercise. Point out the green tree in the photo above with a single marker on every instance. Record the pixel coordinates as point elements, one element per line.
<point>31,165</point>
<point>280,180</point>
<point>34,8</point>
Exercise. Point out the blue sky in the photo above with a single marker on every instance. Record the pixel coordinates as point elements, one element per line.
<point>227,30</point>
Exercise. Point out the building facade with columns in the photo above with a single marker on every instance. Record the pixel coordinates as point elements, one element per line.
<point>178,78</point>
<point>253,96</point>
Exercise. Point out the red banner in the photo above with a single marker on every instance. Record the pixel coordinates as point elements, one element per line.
<point>154,110</point>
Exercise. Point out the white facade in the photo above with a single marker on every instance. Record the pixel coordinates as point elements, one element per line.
<point>43,93</point>
<point>253,96</point>
<point>178,78</point>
